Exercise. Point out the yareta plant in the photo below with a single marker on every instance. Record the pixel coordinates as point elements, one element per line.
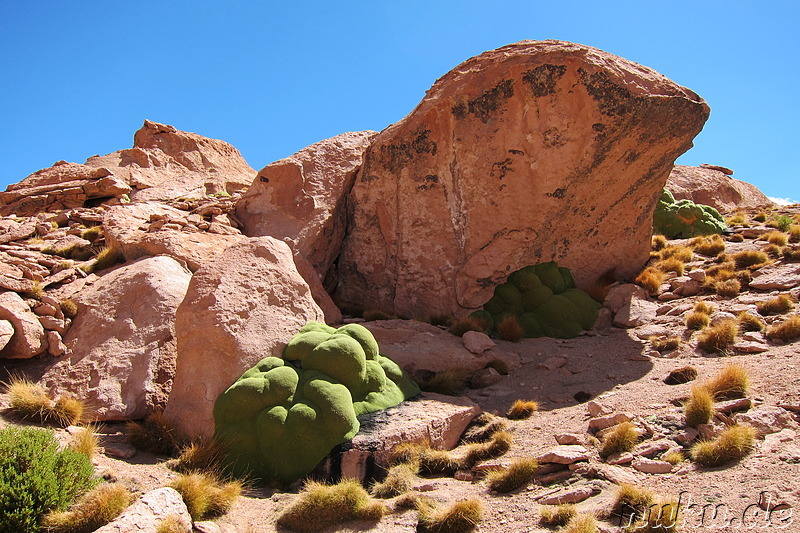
<point>284,415</point>
<point>684,218</point>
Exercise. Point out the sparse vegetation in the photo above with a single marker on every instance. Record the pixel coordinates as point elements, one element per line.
<point>632,502</point>
<point>719,337</point>
<point>399,479</point>
<point>697,320</point>
<point>701,306</point>
<point>85,441</point>
<point>786,331</point>
<point>522,409</point>
<point>462,516</point>
<point>773,251</point>
<point>30,401</point>
<point>733,381</point>
<point>750,322</point>
<point>736,219</point>
<point>708,246</point>
<point>155,434</point>
<point>674,457</point>
<point>670,264</point>
<point>94,510</point>
<point>736,237</point>
<point>651,279</point>
<point>172,524</point>
<point>621,439</point>
<point>658,242</point>
<point>679,252</point>
<point>761,216</point>
<point>69,307</point>
<point>92,234</point>
<point>451,382</point>
<point>372,315</point>
<point>728,288</point>
<point>483,427</point>
<point>661,517</point>
<point>205,495</point>
<point>750,259</point>
<point>510,329</point>
<point>463,325</point>
<point>557,515</point>
<point>665,344</point>
<point>791,253</point>
<point>320,506</point>
<point>432,461</point>
<point>700,407</point>
<point>106,258</point>
<point>778,238</point>
<point>681,375</point>
<point>775,306</point>
<point>519,473</point>
<point>782,222</point>
<point>732,444</point>
<point>582,523</point>
<point>203,455</point>
<point>794,233</point>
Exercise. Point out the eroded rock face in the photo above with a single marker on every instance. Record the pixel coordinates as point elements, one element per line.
<point>301,197</point>
<point>28,336</point>
<point>122,341</point>
<point>240,307</point>
<point>710,185</point>
<point>533,152</point>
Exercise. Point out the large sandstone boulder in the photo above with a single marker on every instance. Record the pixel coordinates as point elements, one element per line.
<point>301,198</point>
<point>240,307</point>
<point>533,152</point>
<point>122,341</point>
<point>163,164</point>
<point>148,514</point>
<point>28,338</point>
<point>710,185</point>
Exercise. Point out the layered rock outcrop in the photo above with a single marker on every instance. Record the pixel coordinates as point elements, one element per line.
<point>533,152</point>
<point>710,185</point>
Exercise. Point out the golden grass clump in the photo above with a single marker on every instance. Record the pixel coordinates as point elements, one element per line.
<point>205,495</point>
<point>451,382</point>
<point>700,407</point>
<point>794,233</point>
<point>750,322</point>
<point>708,246</point>
<point>675,457</point>
<point>719,337</point>
<point>202,455</point>
<point>30,401</point>
<point>582,523</point>
<point>670,264</point>
<point>791,253</point>
<point>172,524</point>
<point>736,219</point>
<point>736,237</point>
<point>632,502</point>
<point>681,375</point>
<point>399,479</point>
<point>701,306</point>
<point>721,271</point>
<point>320,505</point>
<point>761,216</point>
<point>750,259</point>
<point>155,434</point>
<point>519,473</point>
<point>651,279</point>
<point>483,427</point>
<point>773,251</point>
<point>732,382</point>
<point>778,238</point>
<point>662,516</point>
<point>86,441</point>
<point>93,510</point>
<point>775,306</point>
<point>786,331</point>
<point>68,307</point>
<point>108,257</point>
<point>621,439</point>
<point>557,515</point>
<point>92,233</point>
<point>697,320</point>
<point>462,516</point>
<point>658,242</point>
<point>522,409</point>
<point>510,329</point>
<point>678,251</point>
<point>463,325</point>
<point>664,344</point>
<point>499,444</point>
<point>732,444</point>
<point>728,288</point>
<point>68,410</point>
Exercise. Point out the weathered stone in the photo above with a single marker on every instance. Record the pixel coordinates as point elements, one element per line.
<point>301,199</point>
<point>636,312</point>
<point>551,363</point>
<point>767,419</point>
<point>29,337</point>
<point>495,170</point>
<point>6,331</point>
<point>122,343</point>
<point>596,408</point>
<point>604,422</point>
<point>652,447</point>
<point>485,378</point>
<point>239,308</point>
<point>564,455</point>
<point>569,495</point>
<point>729,406</point>
<point>55,344</point>
<point>780,277</point>
<point>709,185</point>
<point>146,515</point>
<point>649,466</point>
<point>51,323</point>
<point>477,342</point>
<point>570,438</point>
<point>119,450</point>
<point>697,274</point>
<point>621,458</point>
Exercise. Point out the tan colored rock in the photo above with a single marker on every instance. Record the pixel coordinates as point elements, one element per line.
<point>564,455</point>
<point>636,312</point>
<point>302,197</point>
<point>781,277</point>
<point>477,342</point>
<point>122,343</point>
<point>6,332</point>
<point>604,422</point>
<point>767,419</point>
<point>29,338</point>
<point>710,185</point>
<point>420,348</point>
<point>55,344</point>
<point>650,466</point>
<point>14,231</point>
<point>568,495</point>
<point>533,152</point>
<point>146,515</point>
<point>332,313</point>
<point>239,308</point>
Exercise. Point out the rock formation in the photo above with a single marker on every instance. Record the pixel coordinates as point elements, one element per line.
<point>495,170</point>
<point>710,185</point>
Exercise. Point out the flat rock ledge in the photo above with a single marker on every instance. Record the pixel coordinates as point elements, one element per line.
<point>429,417</point>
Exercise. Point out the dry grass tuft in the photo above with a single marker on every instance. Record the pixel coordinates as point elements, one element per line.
<point>519,473</point>
<point>709,246</point>
<point>719,337</point>
<point>155,434</point>
<point>582,523</point>
<point>750,322</point>
<point>481,451</point>
<point>701,306</point>
<point>483,427</point>
<point>557,515</point>
<point>697,320</point>
<point>665,344</point>
<point>736,219</point>
<point>678,251</point>
<point>202,456</point>
<point>674,457</point>
<point>86,441</point>
<point>522,409</point>
<point>732,444</point>
<point>30,401</point>
<point>786,331</point>
<point>451,382</point>
<point>681,375</point>
<point>399,479</point>
<point>732,382</point>
<point>761,216</point>
<point>92,234</point>
<point>108,257</point>
<point>69,307</point>
<point>700,407</point>
<point>773,251</point>
<point>319,506</point>
<point>651,279</point>
<point>460,517</point>
<point>632,502</point>
<point>670,264</point>
<point>205,495</point>
<point>95,509</point>
<point>372,315</point>
<point>794,233</point>
<point>791,253</point>
<point>658,242</point>
<point>736,237</point>
<point>728,288</point>
<point>750,259</point>
<point>172,524</point>
<point>621,439</point>
<point>661,517</point>
<point>721,271</point>
<point>780,304</point>
<point>778,238</point>
<point>463,325</point>
<point>510,329</point>
<point>68,410</point>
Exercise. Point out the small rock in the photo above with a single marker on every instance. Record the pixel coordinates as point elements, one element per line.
<point>620,458</point>
<point>649,448</point>
<point>603,422</point>
<point>766,419</point>
<point>729,406</point>
<point>570,438</point>
<point>55,344</point>
<point>207,526</point>
<point>571,495</point>
<point>771,502</point>
<point>484,378</point>
<point>722,316</point>
<point>706,431</point>
<point>464,475</point>
<point>649,466</point>
<point>120,450</point>
<point>564,455</point>
<point>698,275</point>
<point>596,409</point>
<point>774,441</point>
<point>52,323</point>
<point>477,342</point>
<point>552,363</point>
<point>750,347</point>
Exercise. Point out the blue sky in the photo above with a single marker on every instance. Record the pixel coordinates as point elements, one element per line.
<point>78,78</point>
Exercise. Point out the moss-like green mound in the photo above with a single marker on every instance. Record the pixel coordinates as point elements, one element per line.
<point>544,299</point>
<point>284,415</point>
<point>684,218</point>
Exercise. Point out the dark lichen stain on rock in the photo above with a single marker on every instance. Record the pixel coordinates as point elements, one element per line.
<point>366,178</point>
<point>396,156</point>
<point>552,138</point>
<point>516,152</point>
<point>486,104</point>
<point>612,99</point>
<point>501,168</point>
<point>542,80</point>
<point>427,182</point>
<point>598,127</point>
<point>558,193</point>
